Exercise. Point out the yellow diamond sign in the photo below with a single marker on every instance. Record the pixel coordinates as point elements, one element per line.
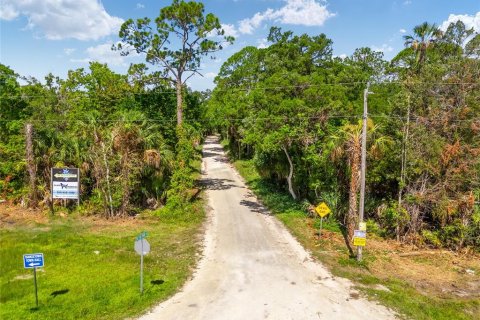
<point>322,209</point>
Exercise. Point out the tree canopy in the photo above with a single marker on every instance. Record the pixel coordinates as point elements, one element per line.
<point>183,35</point>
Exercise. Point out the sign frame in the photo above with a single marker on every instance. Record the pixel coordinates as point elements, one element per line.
<point>322,209</point>
<point>67,180</point>
<point>36,257</point>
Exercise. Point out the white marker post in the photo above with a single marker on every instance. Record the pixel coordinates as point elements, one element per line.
<point>142,247</point>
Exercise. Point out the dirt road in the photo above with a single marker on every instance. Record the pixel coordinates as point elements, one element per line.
<point>253,268</point>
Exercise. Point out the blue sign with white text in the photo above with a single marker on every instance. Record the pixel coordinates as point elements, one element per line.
<point>33,260</point>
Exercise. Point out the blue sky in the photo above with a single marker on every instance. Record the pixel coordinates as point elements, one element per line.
<point>42,36</point>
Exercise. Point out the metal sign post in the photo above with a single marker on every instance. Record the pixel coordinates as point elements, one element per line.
<point>35,284</point>
<point>141,247</point>
<point>321,225</point>
<point>33,261</point>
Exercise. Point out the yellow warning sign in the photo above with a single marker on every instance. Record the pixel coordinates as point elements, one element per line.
<point>322,209</point>
<point>359,242</point>
<point>359,238</point>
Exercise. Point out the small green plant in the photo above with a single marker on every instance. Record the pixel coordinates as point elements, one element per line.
<point>91,269</point>
<point>431,237</point>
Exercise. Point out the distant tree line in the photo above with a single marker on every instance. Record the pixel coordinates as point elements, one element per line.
<point>120,130</point>
<point>133,136</point>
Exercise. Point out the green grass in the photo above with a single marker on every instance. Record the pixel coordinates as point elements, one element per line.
<point>414,305</point>
<point>91,269</point>
<point>401,297</point>
<point>77,282</point>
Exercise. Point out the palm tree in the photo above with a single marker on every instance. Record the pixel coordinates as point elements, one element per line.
<point>131,137</point>
<point>348,142</point>
<point>423,38</point>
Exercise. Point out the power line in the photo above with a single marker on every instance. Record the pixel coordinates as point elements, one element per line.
<point>238,89</point>
<point>247,119</point>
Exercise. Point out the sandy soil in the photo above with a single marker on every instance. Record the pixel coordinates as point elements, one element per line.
<point>252,268</point>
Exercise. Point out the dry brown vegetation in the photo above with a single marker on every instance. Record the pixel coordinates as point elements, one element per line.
<point>440,273</point>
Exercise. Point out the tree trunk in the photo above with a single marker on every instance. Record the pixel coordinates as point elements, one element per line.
<point>179,102</point>
<point>290,175</point>
<point>126,185</point>
<point>32,170</point>
<point>108,194</point>
<point>354,175</point>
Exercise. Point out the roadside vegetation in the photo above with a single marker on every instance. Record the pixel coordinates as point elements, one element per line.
<point>133,136</point>
<point>418,283</point>
<point>91,270</point>
<point>295,110</point>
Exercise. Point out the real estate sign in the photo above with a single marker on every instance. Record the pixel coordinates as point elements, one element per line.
<point>65,183</point>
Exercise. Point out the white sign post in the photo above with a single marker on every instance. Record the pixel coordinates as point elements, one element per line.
<point>142,247</point>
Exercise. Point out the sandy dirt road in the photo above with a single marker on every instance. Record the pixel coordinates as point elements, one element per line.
<point>252,268</point>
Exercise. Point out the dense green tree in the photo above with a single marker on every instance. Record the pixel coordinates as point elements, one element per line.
<point>284,105</point>
<point>181,38</point>
<point>12,143</point>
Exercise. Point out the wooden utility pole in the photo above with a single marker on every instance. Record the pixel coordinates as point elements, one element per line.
<point>363,165</point>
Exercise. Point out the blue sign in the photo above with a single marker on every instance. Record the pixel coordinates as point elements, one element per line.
<point>33,260</point>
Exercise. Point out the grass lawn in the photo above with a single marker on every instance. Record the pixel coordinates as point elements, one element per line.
<point>433,285</point>
<point>91,269</point>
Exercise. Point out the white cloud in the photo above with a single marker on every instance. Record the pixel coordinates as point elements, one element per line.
<point>296,12</point>
<point>468,20</point>
<point>402,31</point>
<point>7,11</point>
<point>304,12</point>
<point>262,43</point>
<point>140,6</point>
<point>341,56</point>
<point>210,75</point>
<point>407,2</point>
<point>384,48</point>
<point>230,30</point>
<point>103,53</point>
<point>62,19</point>
<point>247,26</point>
<point>69,51</point>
